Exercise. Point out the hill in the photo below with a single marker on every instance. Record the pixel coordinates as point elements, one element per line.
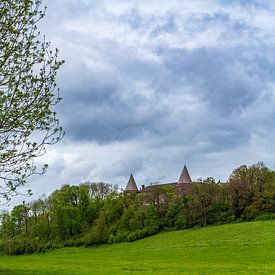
<point>246,248</point>
<point>95,213</point>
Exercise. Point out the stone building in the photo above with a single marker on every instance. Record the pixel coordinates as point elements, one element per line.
<point>183,186</point>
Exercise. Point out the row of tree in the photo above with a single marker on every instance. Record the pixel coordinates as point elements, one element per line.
<point>96,213</point>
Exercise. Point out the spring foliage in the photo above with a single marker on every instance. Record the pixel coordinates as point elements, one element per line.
<point>28,71</point>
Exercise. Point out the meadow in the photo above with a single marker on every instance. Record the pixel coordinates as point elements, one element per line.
<point>242,248</point>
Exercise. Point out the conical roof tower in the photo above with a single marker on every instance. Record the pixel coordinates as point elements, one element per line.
<point>131,185</point>
<point>184,176</point>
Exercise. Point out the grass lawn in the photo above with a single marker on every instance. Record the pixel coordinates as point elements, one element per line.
<point>244,248</point>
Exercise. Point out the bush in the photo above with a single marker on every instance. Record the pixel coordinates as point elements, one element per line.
<point>79,242</point>
<point>89,240</point>
<point>111,238</point>
<point>120,237</point>
<point>266,216</point>
<point>69,243</point>
<point>132,236</point>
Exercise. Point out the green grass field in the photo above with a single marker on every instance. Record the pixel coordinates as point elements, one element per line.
<point>244,248</point>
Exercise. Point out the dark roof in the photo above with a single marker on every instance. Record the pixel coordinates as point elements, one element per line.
<point>184,176</point>
<point>131,185</point>
<point>152,187</point>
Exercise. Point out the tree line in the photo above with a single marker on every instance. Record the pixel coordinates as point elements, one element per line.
<point>97,213</point>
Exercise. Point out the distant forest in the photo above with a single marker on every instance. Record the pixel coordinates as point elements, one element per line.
<point>97,213</point>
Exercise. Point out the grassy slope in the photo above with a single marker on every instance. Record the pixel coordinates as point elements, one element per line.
<point>245,248</point>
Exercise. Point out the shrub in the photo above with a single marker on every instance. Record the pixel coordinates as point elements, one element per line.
<point>111,238</point>
<point>266,216</point>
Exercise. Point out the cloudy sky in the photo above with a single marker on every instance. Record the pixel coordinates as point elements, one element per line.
<point>151,85</point>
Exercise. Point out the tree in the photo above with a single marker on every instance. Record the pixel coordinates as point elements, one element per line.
<point>246,185</point>
<point>28,70</point>
<point>209,204</point>
<point>100,189</point>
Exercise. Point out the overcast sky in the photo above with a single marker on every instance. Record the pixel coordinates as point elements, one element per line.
<point>149,86</point>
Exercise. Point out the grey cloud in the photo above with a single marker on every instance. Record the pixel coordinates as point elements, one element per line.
<point>222,77</point>
<point>97,111</point>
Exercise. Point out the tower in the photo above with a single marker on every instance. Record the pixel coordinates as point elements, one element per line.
<point>184,176</point>
<point>184,184</point>
<point>131,186</point>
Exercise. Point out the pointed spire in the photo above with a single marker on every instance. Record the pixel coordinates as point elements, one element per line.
<point>184,176</point>
<point>131,185</point>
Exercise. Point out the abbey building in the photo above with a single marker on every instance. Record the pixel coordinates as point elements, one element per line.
<point>183,186</point>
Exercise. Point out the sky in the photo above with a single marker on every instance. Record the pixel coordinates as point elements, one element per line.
<point>150,85</point>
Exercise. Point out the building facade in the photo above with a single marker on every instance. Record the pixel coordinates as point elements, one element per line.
<point>183,186</point>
